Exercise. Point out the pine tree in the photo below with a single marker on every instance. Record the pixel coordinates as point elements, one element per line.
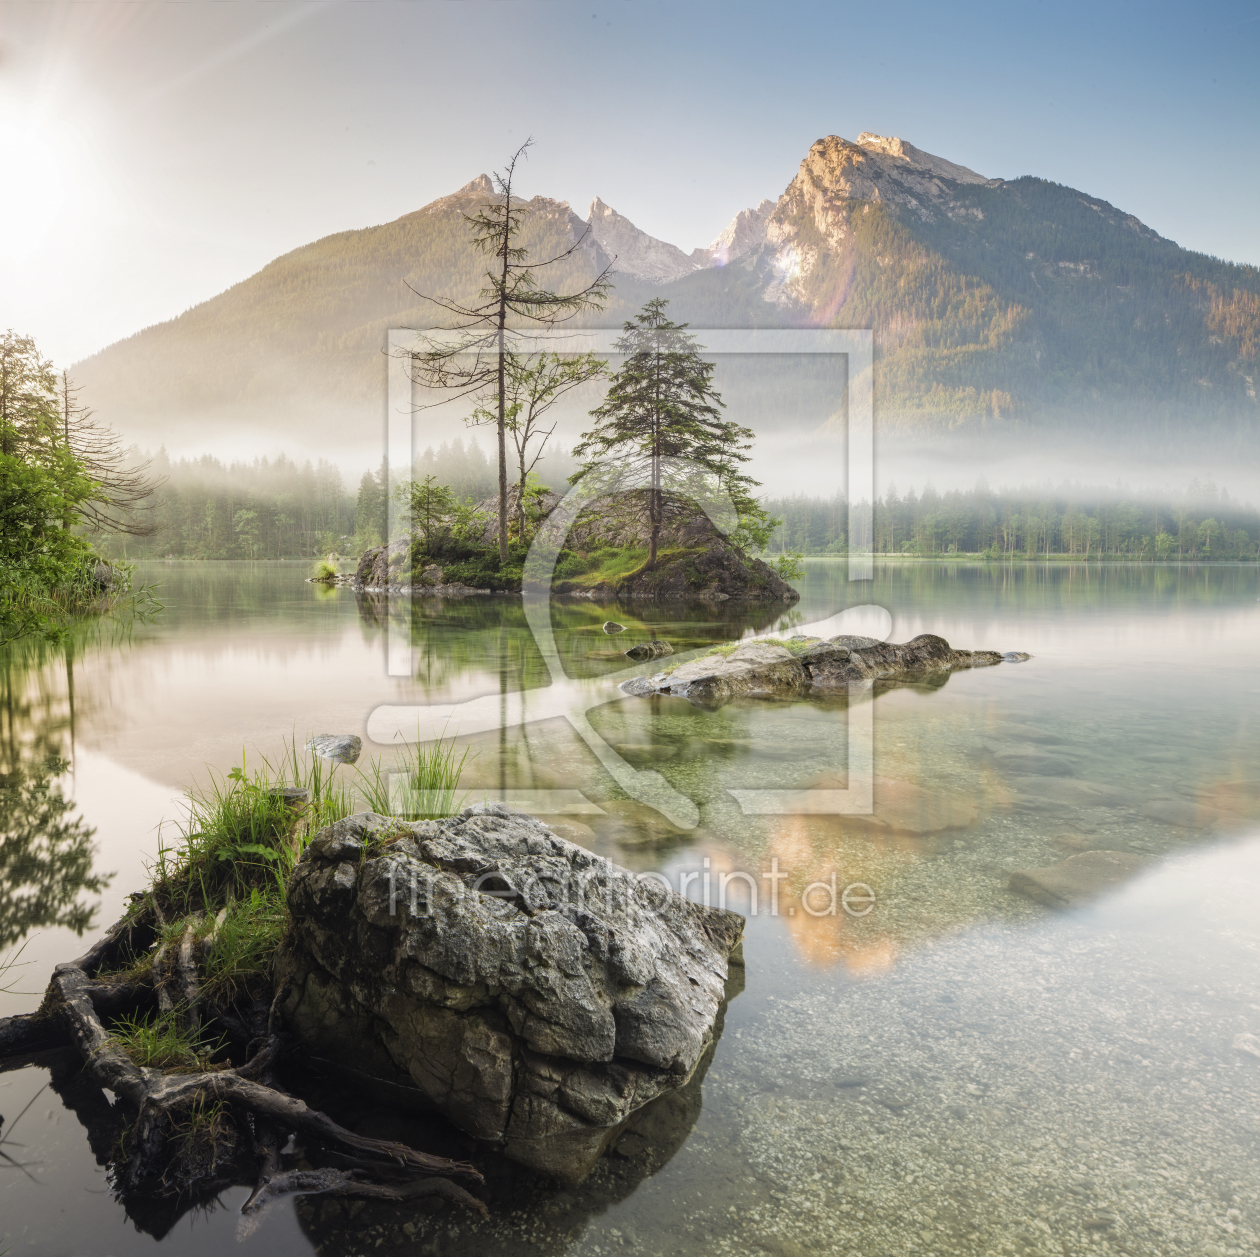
<point>660,406</point>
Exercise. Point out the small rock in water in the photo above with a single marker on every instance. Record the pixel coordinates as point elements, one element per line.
<point>1016,656</point>
<point>1180,813</point>
<point>343,748</point>
<point>649,650</point>
<point>611,626</point>
<point>638,686</point>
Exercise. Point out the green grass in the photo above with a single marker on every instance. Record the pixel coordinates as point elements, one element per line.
<point>162,1041</point>
<point>325,571</point>
<point>8,964</point>
<point>245,941</point>
<point>423,783</point>
<point>241,836</point>
<point>204,1122</point>
<point>726,649</point>
<point>613,567</point>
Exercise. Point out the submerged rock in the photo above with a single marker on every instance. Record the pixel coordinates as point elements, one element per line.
<point>611,626</point>
<point>536,994</point>
<point>1079,879</point>
<point>655,649</point>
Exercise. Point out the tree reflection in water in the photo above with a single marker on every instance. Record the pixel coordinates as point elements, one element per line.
<point>46,849</point>
<point>45,855</point>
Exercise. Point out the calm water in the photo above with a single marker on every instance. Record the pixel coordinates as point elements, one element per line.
<point>961,1070</point>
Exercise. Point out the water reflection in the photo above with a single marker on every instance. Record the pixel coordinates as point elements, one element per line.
<point>960,1071</point>
<point>46,850</point>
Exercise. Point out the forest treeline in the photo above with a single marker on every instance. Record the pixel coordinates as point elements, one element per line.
<point>1203,523</point>
<point>277,508</point>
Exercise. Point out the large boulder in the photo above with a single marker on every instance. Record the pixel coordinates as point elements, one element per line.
<point>536,994</point>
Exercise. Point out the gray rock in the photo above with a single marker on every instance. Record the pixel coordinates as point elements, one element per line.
<point>611,626</point>
<point>845,659</point>
<point>756,668</point>
<point>1016,656</point>
<point>296,797</point>
<point>1181,813</point>
<point>655,649</point>
<point>1076,793</point>
<point>761,669</point>
<point>342,748</point>
<point>537,994</point>
<point>1077,880</point>
<point>638,686</point>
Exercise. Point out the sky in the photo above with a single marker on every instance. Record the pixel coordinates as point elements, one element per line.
<point>156,153</point>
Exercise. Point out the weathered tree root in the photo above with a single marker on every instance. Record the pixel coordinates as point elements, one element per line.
<point>72,1012</point>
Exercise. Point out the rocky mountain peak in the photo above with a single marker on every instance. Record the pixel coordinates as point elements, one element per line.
<point>744,233</point>
<point>902,151</point>
<point>635,253</point>
<point>482,185</point>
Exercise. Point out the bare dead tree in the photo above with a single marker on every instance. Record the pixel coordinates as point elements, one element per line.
<point>535,382</point>
<point>126,495</point>
<point>474,360</point>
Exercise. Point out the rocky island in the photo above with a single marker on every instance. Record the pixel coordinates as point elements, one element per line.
<point>605,558</point>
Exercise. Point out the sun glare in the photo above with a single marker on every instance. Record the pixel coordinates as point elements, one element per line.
<point>42,163</point>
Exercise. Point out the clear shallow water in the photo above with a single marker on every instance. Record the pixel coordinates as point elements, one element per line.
<point>960,1070</point>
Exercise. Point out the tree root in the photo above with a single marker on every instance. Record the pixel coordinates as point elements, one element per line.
<point>190,988</point>
<point>73,1008</point>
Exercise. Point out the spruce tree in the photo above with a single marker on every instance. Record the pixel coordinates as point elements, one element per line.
<point>661,405</point>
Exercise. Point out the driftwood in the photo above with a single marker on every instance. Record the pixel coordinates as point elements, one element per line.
<point>73,1010</point>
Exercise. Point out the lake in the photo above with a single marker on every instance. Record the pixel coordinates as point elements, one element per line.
<point>949,1068</point>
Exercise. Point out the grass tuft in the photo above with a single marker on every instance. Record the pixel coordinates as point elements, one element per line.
<point>162,1041</point>
<point>245,941</point>
<point>424,782</point>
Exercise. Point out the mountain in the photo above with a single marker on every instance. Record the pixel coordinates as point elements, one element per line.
<point>634,252</point>
<point>996,304</point>
<point>746,232</point>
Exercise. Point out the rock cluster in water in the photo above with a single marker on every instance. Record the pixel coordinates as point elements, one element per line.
<point>536,994</point>
<point>762,669</point>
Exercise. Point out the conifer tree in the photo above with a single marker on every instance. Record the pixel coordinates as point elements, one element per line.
<point>661,405</point>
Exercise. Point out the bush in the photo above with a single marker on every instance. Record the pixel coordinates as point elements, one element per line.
<point>789,565</point>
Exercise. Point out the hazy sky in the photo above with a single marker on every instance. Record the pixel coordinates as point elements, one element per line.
<point>154,154</point>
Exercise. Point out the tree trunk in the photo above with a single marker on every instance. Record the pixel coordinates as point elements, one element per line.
<point>503,550</point>
<point>520,503</point>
